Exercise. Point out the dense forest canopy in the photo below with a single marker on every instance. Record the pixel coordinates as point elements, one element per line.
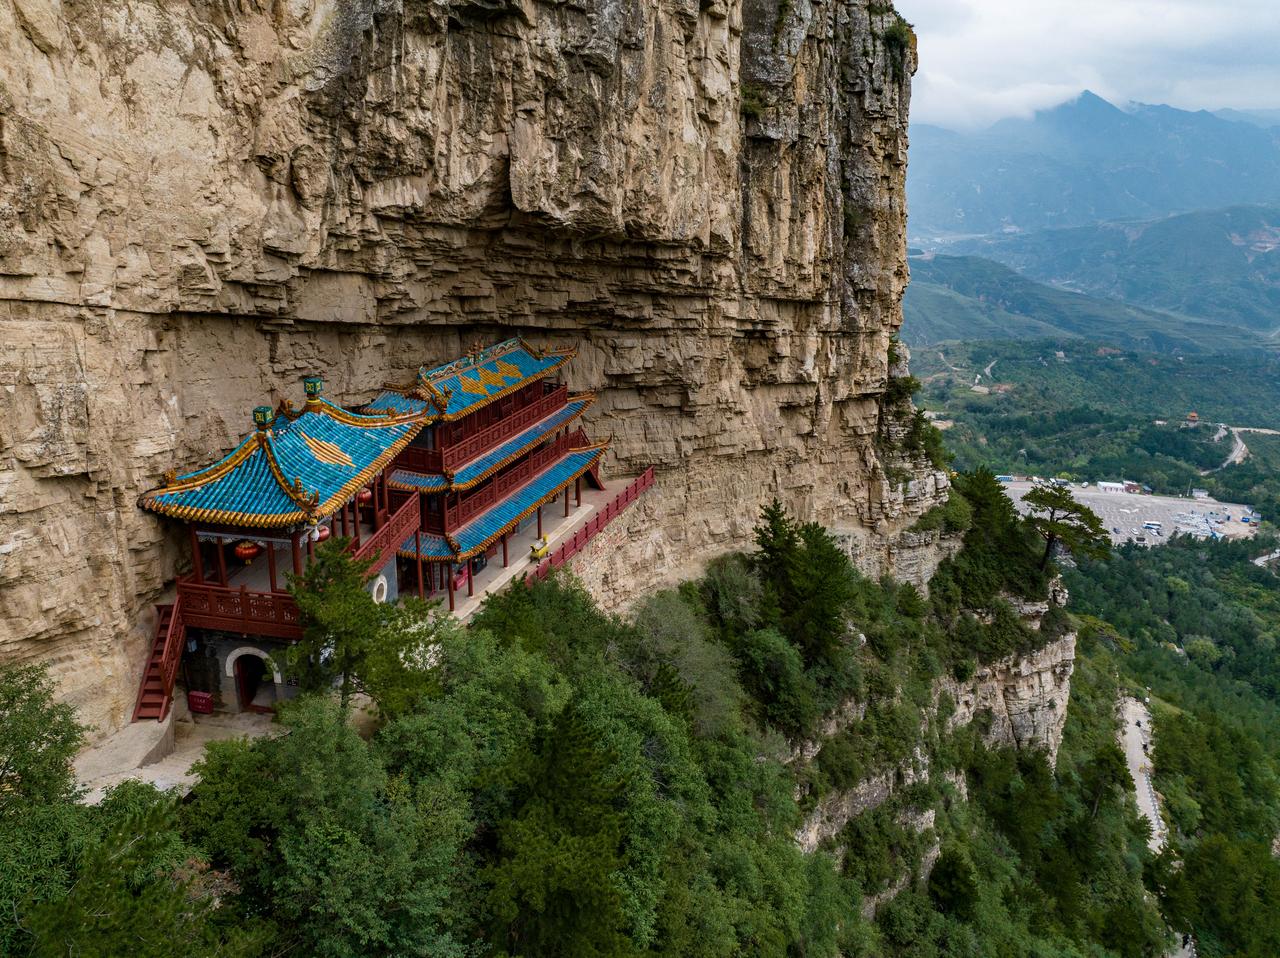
<point>563,781</point>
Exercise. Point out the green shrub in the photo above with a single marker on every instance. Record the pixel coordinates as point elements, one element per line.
<point>898,39</point>
<point>899,389</point>
<point>953,516</point>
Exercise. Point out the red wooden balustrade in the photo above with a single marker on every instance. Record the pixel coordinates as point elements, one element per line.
<point>429,461</point>
<point>155,694</point>
<point>210,606</point>
<point>473,503</point>
<point>399,527</point>
<point>578,541</point>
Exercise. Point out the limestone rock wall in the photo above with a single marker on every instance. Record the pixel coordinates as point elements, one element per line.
<point>200,203</point>
<point>1025,696</point>
<point>1022,699</point>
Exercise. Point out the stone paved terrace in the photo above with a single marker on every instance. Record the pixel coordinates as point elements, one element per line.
<point>557,528</point>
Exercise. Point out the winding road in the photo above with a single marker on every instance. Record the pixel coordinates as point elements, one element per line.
<point>1239,451</point>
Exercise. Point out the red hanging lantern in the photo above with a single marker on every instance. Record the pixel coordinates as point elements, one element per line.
<point>364,496</point>
<point>247,550</point>
<point>323,533</point>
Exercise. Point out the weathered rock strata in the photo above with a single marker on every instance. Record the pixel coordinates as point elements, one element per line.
<point>201,203</point>
<point>1022,699</point>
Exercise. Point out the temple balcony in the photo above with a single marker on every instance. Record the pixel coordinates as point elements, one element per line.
<point>451,457</point>
<point>567,529</point>
<point>254,601</point>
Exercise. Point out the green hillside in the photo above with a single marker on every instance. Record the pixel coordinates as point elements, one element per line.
<point>1216,265</point>
<point>971,298</point>
<point>1090,414</point>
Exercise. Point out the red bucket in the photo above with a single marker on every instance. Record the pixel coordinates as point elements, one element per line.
<point>200,702</point>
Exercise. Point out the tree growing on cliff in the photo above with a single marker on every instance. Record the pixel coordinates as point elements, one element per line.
<point>1057,517</point>
<point>348,639</point>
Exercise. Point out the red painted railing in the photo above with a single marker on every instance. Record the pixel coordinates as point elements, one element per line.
<point>504,429</point>
<point>497,489</point>
<point>427,461</point>
<point>173,643</point>
<point>394,531</point>
<point>578,541</point>
<point>155,692</point>
<point>209,606</point>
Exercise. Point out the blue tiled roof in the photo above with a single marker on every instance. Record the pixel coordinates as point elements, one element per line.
<point>480,532</point>
<point>482,466</point>
<point>464,385</point>
<point>305,466</point>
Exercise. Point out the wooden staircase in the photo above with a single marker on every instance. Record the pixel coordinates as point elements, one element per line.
<point>156,694</point>
<point>578,439</point>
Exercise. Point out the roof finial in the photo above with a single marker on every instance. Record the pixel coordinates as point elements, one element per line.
<point>262,417</point>
<point>314,386</point>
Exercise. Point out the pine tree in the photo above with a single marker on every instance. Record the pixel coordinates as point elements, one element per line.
<point>1057,517</point>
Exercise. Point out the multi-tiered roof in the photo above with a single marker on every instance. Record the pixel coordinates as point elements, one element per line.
<point>295,468</point>
<point>466,385</point>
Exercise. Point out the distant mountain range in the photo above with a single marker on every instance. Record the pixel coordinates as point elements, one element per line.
<point>1263,118</point>
<point>1216,265</point>
<point>970,298</point>
<point>1086,161</point>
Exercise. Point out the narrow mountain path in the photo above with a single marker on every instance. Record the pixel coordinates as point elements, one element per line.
<point>1135,739</point>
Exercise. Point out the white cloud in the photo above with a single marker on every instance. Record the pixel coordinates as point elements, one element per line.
<point>981,60</point>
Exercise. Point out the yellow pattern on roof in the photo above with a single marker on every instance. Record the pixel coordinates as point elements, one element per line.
<point>472,386</point>
<point>511,372</point>
<point>490,378</point>
<point>327,451</point>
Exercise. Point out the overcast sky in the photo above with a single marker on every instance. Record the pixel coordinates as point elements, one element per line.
<point>981,60</point>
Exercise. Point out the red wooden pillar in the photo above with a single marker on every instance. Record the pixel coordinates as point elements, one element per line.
<point>448,574</point>
<point>577,491</point>
<point>343,514</point>
<point>539,522</point>
<point>311,547</point>
<point>417,549</point>
<point>355,520</point>
<point>504,552</point>
<point>566,500</point>
<point>222,563</point>
<point>197,564</point>
<point>271,564</point>
<point>297,553</point>
<point>471,577</point>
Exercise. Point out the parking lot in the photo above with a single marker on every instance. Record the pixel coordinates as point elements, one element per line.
<point>1127,511</point>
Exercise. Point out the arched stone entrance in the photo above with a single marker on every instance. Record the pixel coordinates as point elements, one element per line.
<point>258,683</point>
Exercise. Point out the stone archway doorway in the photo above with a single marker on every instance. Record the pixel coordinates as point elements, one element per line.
<point>255,685</point>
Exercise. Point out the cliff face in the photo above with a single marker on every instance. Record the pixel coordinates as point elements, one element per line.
<point>201,203</point>
<point>1021,700</point>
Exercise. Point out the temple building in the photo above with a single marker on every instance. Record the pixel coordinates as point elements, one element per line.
<point>502,441</point>
<point>429,482</point>
<point>298,479</point>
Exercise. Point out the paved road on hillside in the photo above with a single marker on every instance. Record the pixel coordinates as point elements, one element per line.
<point>1237,455</point>
<point>1135,733</point>
<point>1134,736</point>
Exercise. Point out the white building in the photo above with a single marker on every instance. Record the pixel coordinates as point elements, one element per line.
<point>1111,487</point>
